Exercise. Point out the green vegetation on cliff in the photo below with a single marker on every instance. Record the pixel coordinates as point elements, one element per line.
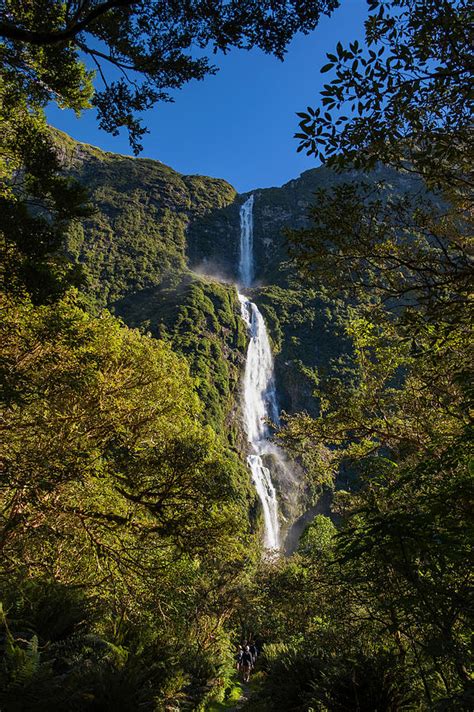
<point>201,320</point>
<point>134,249</point>
<point>127,514</point>
<point>137,234</point>
<point>309,340</point>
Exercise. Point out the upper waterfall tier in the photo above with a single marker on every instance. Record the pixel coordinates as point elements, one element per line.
<point>246,268</point>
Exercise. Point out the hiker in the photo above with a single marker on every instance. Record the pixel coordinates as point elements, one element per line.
<point>254,652</point>
<point>238,657</point>
<point>247,663</point>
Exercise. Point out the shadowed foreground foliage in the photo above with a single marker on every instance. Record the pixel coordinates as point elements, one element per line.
<point>124,520</point>
<point>377,614</point>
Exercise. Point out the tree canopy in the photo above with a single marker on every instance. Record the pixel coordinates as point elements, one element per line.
<point>380,609</point>
<point>402,97</point>
<point>138,50</point>
<point>124,524</point>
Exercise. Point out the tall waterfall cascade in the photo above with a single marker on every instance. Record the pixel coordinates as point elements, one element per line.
<point>246,243</point>
<point>259,393</point>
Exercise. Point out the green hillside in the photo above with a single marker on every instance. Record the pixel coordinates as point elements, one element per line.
<point>152,225</point>
<point>201,320</point>
<point>142,210</point>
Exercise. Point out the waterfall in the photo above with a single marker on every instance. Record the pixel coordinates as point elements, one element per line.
<point>246,243</point>
<point>259,394</point>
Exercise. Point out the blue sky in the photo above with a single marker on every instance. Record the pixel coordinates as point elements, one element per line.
<point>239,124</point>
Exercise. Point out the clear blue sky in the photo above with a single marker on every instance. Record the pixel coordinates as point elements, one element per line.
<point>239,124</point>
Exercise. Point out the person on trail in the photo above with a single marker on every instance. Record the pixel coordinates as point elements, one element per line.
<point>254,652</point>
<point>247,663</point>
<point>238,657</point>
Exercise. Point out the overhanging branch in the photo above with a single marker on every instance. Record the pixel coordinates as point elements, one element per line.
<point>11,31</point>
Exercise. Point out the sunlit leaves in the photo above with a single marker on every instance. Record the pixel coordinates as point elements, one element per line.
<point>115,449</point>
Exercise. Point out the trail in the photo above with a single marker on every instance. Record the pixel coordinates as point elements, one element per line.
<point>243,699</point>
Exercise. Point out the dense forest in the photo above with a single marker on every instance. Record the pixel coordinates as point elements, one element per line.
<point>131,531</point>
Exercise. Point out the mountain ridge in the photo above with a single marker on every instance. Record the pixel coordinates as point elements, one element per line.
<point>162,251</point>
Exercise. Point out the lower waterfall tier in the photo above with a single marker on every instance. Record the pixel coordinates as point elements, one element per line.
<point>259,403</point>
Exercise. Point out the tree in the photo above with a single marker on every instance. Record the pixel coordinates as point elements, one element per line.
<point>403,98</point>
<point>123,519</point>
<point>401,255</point>
<point>148,46</point>
<point>407,550</point>
<point>108,449</point>
<point>376,616</point>
<point>398,420</point>
<point>37,204</point>
<point>392,244</point>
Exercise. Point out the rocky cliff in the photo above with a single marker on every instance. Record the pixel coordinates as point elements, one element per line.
<point>161,250</point>
<point>158,238</point>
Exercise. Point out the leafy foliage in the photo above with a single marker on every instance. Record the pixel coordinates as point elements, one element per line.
<point>124,519</point>
<point>403,98</point>
<point>128,561</point>
<point>140,50</point>
<point>405,246</point>
<point>201,319</point>
<point>37,203</point>
<point>377,616</point>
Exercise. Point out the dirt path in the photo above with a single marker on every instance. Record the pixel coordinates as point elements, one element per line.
<point>243,699</point>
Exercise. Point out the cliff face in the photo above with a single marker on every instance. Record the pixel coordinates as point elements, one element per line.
<point>137,235</point>
<point>159,239</point>
<point>156,243</point>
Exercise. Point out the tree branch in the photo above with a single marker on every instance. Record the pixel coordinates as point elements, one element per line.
<point>12,32</point>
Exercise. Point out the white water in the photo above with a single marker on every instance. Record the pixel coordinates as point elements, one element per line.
<point>246,243</point>
<point>259,395</point>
